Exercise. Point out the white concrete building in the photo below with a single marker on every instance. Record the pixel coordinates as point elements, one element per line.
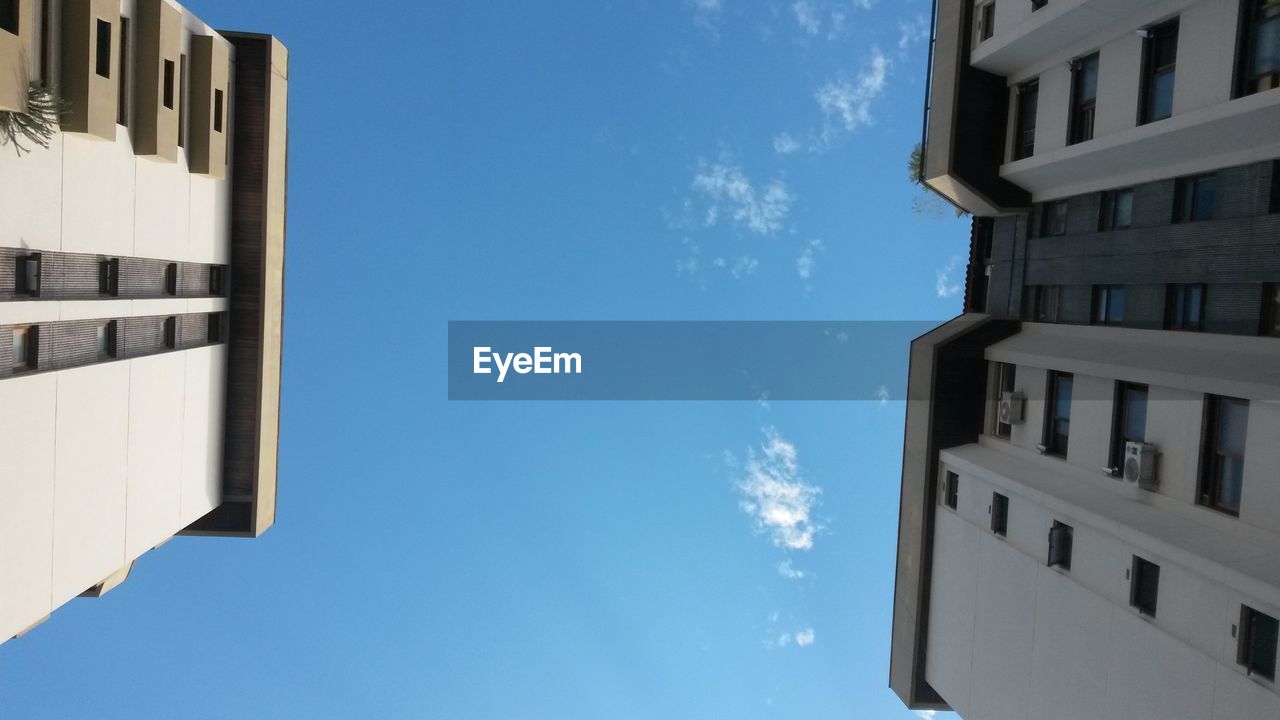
<point>141,272</point>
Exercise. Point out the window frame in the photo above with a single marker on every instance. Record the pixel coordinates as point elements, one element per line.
<point>1024,109</point>
<point>1083,112</point>
<point>1270,309</point>
<point>1061,539</point>
<point>1210,484</point>
<point>1251,21</point>
<point>171,279</point>
<point>109,346</point>
<point>1054,440</point>
<point>1051,213</point>
<point>168,83</point>
<point>215,328</point>
<point>1042,303</point>
<point>1003,371</point>
<point>30,359</point>
<point>1188,201</point>
<point>951,490</point>
<point>109,277</point>
<point>1120,421</point>
<point>1107,210</point>
<point>999,514</point>
<point>1250,619</point>
<point>102,48</point>
<point>1105,300</point>
<point>171,332</point>
<point>22,275</point>
<point>1151,73</point>
<point>1144,586</point>
<point>122,84</point>
<point>1177,306</point>
<point>11,21</point>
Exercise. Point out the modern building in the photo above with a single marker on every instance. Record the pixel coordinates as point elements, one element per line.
<point>1090,517</point>
<point>141,290</point>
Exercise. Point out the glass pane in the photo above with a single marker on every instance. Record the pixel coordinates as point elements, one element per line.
<point>1161,96</point>
<point>1135,425</point>
<point>1264,635</point>
<point>1232,479</point>
<point>1123,212</point>
<point>1233,424</point>
<point>1115,305</point>
<point>33,275</point>
<point>1266,58</point>
<point>1195,304</point>
<point>1087,78</point>
<point>1062,408</point>
<point>19,346</point>
<point>1275,310</point>
<point>1205,189</point>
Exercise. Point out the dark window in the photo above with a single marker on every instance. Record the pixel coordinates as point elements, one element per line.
<point>107,344</point>
<point>168,84</point>
<point>1084,98</point>
<point>1160,59</point>
<point>1195,198</point>
<point>1184,307</point>
<point>217,111</point>
<point>122,81</point>
<point>1060,545</point>
<point>952,490</point>
<point>1257,649</point>
<point>999,514</point>
<point>218,281</point>
<point>1271,309</point>
<point>1226,422</point>
<point>26,348</point>
<point>1024,142</point>
<point>215,328</point>
<point>1053,218</point>
<point>1144,586</point>
<point>1117,209</point>
<point>1041,303</point>
<point>1259,55</point>
<point>1129,421</point>
<point>9,15</point>
<point>171,332</point>
<point>103,50</point>
<point>1057,424</point>
<point>986,21</point>
<point>27,277</point>
<point>109,277</point>
<point>171,279</point>
<point>1037,4</point>
<point>1108,304</point>
<point>182,103</point>
<point>1004,384</point>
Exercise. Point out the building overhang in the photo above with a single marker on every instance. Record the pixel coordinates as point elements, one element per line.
<point>946,407</point>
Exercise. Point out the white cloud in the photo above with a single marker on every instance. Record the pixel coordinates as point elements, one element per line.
<point>775,494</point>
<point>846,103</point>
<point>882,394</point>
<point>806,261</point>
<point>805,637</point>
<point>785,143</point>
<point>926,714</point>
<point>744,266</point>
<point>864,4</point>
<point>807,17</point>
<point>912,31</point>
<point>761,210</point>
<point>786,570</point>
<point>945,287</point>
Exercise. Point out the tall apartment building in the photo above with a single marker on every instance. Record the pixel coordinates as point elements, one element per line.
<point>1090,518</point>
<point>141,289</point>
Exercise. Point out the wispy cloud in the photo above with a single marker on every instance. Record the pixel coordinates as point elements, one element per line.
<point>807,16</point>
<point>805,637</point>
<point>785,143</point>
<point>882,394</point>
<point>775,494</point>
<point>912,31</point>
<point>846,102</point>
<point>727,189</point>
<point>789,571</point>
<point>926,714</point>
<point>807,261</point>
<point>706,15</point>
<point>945,287</point>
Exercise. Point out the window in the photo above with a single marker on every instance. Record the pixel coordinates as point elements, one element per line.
<point>1057,425</point>
<point>1226,422</point>
<point>1108,304</point>
<point>217,111</point>
<point>171,332</point>
<point>171,279</point>
<point>27,277</point>
<point>103,49</point>
<point>1117,210</point>
<point>1184,307</point>
<point>1042,303</point>
<point>26,348</point>
<point>951,490</point>
<point>1037,4</point>
<point>1084,97</point>
<point>218,281</point>
<point>1194,198</point>
<point>1053,218</point>
<point>1060,545</point>
<point>168,84</point>
<point>999,514</point>
<point>1004,384</point>
<point>1024,141</point>
<point>107,339</point>
<point>122,83</point>
<point>1259,55</point>
<point>1129,421</point>
<point>215,328</point>
<point>109,277</point>
<point>1159,62</point>
<point>1144,586</point>
<point>986,21</point>
<point>1257,648</point>
<point>182,103</point>
<point>1271,309</point>
<point>9,15</point>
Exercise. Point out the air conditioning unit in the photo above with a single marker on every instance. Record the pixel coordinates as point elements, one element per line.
<point>1010,410</point>
<point>1140,464</point>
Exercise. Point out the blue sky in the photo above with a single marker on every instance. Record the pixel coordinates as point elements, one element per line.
<point>558,161</point>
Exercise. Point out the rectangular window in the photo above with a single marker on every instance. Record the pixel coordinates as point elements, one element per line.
<point>26,348</point>
<point>1053,218</point>
<point>182,103</point>
<point>1144,586</point>
<point>1259,52</point>
<point>1258,641</point>
<point>1057,425</point>
<point>1129,421</point>
<point>10,15</point>
<point>1184,307</point>
<point>1108,304</point>
<point>171,332</point>
<point>1041,304</point>
<point>986,21</point>
<point>171,279</point>
<point>1226,423</point>
<point>951,490</point>
<point>1004,384</point>
<point>218,281</point>
<point>107,339</point>
<point>1060,545</point>
<point>1037,4</point>
<point>1194,198</point>
<point>102,63</point>
<point>215,328</point>
<point>1024,141</point>
<point>1160,59</point>
<point>1117,210</point>
<point>122,82</point>
<point>999,514</point>
<point>27,275</point>
<point>168,84</point>
<point>1084,98</point>
<point>109,277</point>
<point>1271,309</point>
<point>217,111</point>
